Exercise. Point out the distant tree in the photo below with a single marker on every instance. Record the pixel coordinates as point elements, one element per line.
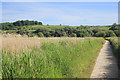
<point>82,33</point>
<point>100,34</point>
<point>30,34</point>
<point>110,33</point>
<point>40,23</point>
<point>40,34</point>
<point>114,24</point>
<point>96,30</point>
<point>36,23</point>
<point>114,28</point>
<point>73,35</point>
<point>116,32</point>
<point>64,34</point>
<point>90,33</point>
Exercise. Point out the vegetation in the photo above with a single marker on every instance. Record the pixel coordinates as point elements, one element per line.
<point>32,28</point>
<point>26,57</point>
<point>49,58</point>
<point>18,24</point>
<point>115,43</point>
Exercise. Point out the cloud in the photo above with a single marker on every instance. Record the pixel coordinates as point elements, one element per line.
<point>57,14</point>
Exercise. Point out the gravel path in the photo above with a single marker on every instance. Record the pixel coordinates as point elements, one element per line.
<point>106,65</point>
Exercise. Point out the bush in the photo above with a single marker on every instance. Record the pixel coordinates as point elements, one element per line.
<point>116,32</point>
<point>40,34</point>
<point>73,35</point>
<point>110,33</point>
<point>100,34</point>
<point>82,33</point>
<point>31,34</point>
<point>114,27</point>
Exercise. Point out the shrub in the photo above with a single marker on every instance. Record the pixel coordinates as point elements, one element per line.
<point>110,33</point>
<point>116,32</point>
<point>40,34</point>
<point>73,35</point>
<point>100,34</point>
<point>31,34</point>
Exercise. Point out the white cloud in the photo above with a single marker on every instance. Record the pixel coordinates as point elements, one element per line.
<point>53,15</point>
<point>60,17</point>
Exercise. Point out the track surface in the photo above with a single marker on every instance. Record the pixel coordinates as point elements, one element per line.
<point>106,64</point>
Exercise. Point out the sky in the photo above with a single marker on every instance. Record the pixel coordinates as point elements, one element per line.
<point>65,13</point>
<point>59,0</point>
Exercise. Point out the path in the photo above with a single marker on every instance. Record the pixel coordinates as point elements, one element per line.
<point>106,66</point>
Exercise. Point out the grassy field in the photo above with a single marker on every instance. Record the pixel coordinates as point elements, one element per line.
<point>24,57</point>
<point>115,43</point>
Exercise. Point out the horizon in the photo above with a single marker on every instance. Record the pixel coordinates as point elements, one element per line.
<point>57,24</point>
<point>65,13</point>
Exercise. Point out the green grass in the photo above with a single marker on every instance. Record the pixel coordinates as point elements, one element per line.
<point>61,59</point>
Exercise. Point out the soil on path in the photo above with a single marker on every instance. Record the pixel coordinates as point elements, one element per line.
<point>106,64</point>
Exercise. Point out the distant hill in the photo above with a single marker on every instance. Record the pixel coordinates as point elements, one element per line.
<point>33,28</point>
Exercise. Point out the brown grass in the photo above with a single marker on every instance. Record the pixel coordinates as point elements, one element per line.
<point>15,43</point>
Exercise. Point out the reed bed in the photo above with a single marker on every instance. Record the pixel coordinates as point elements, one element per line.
<point>24,57</point>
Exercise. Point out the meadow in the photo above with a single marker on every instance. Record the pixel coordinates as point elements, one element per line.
<point>58,57</point>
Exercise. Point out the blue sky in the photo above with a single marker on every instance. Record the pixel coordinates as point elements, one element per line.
<point>66,13</point>
<point>59,0</point>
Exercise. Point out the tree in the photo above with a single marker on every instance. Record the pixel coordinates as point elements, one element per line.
<point>110,33</point>
<point>40,23</point>
<point>40,34</point>
<point>100,34</point>
<point>114,27</point>
<point>73,35</point>
<point>64,34</point>
<point>116,32</point>
<point>82,33</point>
<point>95,30</point>
<point>30,34</point>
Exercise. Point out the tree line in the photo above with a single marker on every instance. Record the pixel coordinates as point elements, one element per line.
<point>15,25</point>
<point>20,27</point>
<point>75,32</point>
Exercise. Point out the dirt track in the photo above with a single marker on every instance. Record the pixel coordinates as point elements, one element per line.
<point>106,65</point>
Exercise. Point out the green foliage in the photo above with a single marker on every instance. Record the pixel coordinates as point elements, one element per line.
<point>82,33</point>
<point>53,60</point>
<point>22,31</point>
<point>106,33</point>
<point>19,24</point>
<point>110,33</point>
<point>114,27</point>
<point>100,34</point>
<point>60,30</point>
<point>30,34</point>
<point>116,32</point>
<point>40,34</point>
<point>96,30</point>
<point>73,35</point>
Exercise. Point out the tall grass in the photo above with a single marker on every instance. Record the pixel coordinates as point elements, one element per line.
<point>54,58</point>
